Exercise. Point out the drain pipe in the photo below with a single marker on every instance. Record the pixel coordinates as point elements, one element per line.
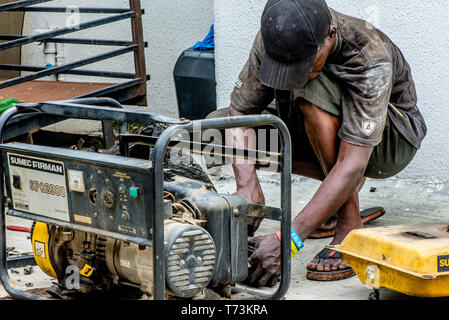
<point>54,55</point>
<point>60,60</point>
<point>50,57</point>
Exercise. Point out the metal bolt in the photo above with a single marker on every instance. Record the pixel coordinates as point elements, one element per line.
<point>125,216</point>
<point>67,236</point>
<point>236,212</point>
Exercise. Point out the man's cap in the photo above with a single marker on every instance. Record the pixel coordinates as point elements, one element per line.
<point>292,32</point>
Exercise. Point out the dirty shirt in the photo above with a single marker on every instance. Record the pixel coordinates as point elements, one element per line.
<point>375,78</point>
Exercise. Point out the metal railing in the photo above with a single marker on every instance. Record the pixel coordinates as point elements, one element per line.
<point>133,87</point>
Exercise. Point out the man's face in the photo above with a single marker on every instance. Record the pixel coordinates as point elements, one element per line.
<point>323,53</point>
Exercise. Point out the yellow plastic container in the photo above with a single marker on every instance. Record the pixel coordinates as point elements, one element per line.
<point>410,259</point>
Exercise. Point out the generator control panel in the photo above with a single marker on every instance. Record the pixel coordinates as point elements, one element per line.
<point>83,188</point>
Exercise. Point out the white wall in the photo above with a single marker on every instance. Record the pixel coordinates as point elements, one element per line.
<point>419,28</point>
<point>170,26</point>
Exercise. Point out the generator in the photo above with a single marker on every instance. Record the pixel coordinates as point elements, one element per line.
<point>135,218</point>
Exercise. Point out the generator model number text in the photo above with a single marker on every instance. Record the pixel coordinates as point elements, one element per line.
<point>47,188</point>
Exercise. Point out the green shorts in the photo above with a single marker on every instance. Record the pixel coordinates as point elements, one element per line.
<point>389,158</point>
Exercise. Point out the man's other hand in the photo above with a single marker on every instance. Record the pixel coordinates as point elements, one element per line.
<point>252,195</point>
<point>265,261</point>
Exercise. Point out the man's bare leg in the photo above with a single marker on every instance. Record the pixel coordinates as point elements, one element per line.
<point>322,129</point>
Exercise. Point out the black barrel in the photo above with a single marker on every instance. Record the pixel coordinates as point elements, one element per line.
<point>195,84</point>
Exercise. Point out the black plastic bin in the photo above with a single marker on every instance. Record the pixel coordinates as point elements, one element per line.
<point>195,84</point>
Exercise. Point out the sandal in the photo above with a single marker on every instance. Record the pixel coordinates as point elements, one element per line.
<point>330,275</point>
<point>367,216</point>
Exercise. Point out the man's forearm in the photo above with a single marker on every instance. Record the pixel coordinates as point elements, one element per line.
<point>242,138</point>
<point>337,189</point>
<point>248,185</point>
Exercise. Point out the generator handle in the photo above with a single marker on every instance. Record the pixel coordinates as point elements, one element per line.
<point>158,183</point>
<point>85,109</point>
<point>101,109</point>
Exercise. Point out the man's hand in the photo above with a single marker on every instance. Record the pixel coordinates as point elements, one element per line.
<point>252,194</point>
<point>265,261</point>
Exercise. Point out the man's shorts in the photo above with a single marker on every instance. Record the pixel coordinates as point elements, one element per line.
<point>389,158</point>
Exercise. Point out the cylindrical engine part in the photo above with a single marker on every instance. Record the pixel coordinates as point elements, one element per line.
<point>190,256</point>
<point>189,260</point>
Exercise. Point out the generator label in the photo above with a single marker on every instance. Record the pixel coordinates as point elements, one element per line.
<point>443,263</point>
<point>38,186</point>
<point>39,249</point>
<point>36,164</point>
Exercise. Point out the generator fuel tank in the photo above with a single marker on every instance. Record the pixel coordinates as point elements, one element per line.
<point>410,259</point>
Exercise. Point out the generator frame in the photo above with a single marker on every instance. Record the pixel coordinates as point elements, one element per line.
<point>106,109</point>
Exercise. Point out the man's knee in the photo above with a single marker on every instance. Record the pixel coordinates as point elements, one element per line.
<point>317,117</point>
<point>220,113</point>
<point>306,107</point>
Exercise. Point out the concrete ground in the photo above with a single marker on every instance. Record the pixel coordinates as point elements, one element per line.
<point>405,201</point>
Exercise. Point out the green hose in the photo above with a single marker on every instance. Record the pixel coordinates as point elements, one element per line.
<point>7,103</point>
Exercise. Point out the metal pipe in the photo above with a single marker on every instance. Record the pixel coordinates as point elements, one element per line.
<point>103,101</point>
<point>69,66</point>
<point>20,4</point>
<point>64,9</point>
<point>59,32</point>
<point>199,148</point>
<point>80,111</point>
<point>86,41</point>
<point>87,229</point>
<point>139,54</point>
<point>87,73</point>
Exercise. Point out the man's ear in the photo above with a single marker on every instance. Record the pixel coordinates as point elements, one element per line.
<point>332,32</point>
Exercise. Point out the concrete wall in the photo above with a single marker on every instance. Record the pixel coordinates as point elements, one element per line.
<point>418,27</point>
<point>169,28</point>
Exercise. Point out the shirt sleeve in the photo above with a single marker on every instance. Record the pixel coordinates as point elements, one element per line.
<point>365,103</point>
<point>249,95</point>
